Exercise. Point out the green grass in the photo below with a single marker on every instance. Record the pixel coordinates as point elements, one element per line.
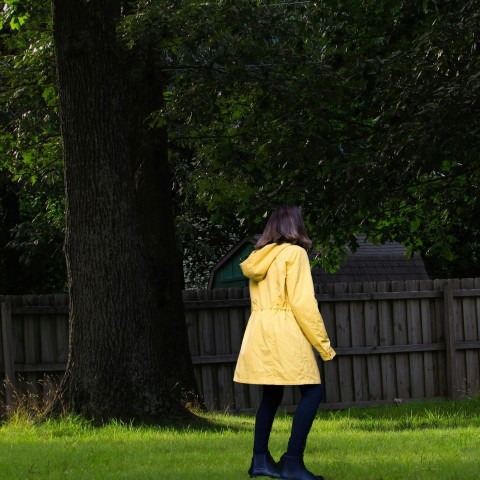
<point>412,441</point>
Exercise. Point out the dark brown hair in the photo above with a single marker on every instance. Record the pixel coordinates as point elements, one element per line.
<point>285,225</point>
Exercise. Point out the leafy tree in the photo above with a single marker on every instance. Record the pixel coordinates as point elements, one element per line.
<point>428,124</point>
<point>257,105</point>
<point>419,88</point>
<point>364,115</point>
<point>31,179</point>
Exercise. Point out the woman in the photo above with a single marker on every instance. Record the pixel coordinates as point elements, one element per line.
<point>277,346</point>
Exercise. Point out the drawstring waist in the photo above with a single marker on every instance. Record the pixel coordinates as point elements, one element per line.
<point>271,309</point>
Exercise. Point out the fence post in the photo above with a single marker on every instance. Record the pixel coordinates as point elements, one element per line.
<point>450,340</point>
<point>7,339</point>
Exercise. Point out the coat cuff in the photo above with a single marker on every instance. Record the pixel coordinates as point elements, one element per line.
<point>327,355</point>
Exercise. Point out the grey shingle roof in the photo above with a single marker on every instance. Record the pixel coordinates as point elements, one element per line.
<point>372,263</point>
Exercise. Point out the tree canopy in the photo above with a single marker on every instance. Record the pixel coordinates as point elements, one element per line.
<point>30,149</point>
<point>365,116</point>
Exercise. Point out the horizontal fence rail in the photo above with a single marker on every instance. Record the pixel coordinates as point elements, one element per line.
<point>394,341</point>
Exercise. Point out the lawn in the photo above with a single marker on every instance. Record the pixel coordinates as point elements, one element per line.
<point>412,441</point>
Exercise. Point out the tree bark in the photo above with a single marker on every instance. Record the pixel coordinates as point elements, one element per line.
<point>153,187</point>
<point>113,367</point>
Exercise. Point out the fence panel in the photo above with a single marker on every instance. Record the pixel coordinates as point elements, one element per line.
<point>372,324</point>
<point>414,325</point>
<point>329,370</point>
<point>385,327</point>
<point>469,333</point>
<point>441,320</point>
<point>342,323</point>
<point>394,340</point>
<point>356,327</point>
<point>237,327</point>
<point>427,334</point>
<point>400,337</point>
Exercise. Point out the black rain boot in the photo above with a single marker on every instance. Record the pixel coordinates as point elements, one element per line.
<point>293,468</point>
<point>263,465</point>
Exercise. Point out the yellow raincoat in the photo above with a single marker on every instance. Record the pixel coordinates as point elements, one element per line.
<point>285,321</point>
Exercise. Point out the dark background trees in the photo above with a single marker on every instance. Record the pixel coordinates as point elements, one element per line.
<point>30,153</point>
<point>365,116</point>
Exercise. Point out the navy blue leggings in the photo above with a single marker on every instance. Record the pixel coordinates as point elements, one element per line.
<point>302,421</point>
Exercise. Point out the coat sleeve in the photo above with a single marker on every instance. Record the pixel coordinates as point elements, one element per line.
<point>301,297</point>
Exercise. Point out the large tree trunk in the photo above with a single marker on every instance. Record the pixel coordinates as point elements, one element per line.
<point>113,368</point>
<point>149,149</point>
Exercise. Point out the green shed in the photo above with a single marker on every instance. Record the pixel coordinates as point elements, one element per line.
<point>227,272</point>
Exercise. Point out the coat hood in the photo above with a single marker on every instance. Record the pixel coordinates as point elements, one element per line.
<point>257,264</point>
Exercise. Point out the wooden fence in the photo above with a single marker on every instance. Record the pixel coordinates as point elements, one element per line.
<point>394,340</point>
<point>34,342</point>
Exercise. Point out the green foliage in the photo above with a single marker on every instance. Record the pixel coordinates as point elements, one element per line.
<point>204,244</point>
<point>15,14</point>
<point>30,146</point>
<point>425,135</point>
<point>252,100</point>
<point>363,113</point>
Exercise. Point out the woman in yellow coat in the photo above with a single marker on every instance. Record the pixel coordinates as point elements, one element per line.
<point>277,345</point>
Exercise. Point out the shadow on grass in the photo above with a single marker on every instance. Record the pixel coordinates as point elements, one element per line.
<point>29,409</point>
<point>42,402</point>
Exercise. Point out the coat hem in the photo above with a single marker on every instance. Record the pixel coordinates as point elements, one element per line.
<point>283,383</point>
